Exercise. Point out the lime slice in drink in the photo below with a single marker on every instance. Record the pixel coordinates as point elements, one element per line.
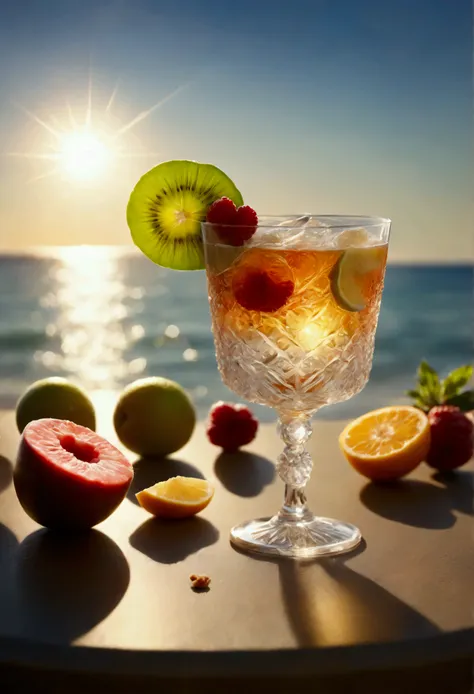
<point>345,276</point>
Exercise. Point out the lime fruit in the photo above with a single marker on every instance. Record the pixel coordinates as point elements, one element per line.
<point>55,398</point>
<point>154,417</point>
<point>345,284</point>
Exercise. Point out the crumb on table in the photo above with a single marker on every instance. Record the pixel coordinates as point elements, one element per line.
<point>199,582</point>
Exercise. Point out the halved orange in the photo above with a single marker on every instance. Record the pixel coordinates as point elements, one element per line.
<point>388,443</point>
<point>178,497</point>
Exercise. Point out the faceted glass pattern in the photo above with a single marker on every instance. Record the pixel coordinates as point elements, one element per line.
<point>298,342</point>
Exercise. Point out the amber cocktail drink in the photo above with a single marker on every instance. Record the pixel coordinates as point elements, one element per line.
<point>294,314</point>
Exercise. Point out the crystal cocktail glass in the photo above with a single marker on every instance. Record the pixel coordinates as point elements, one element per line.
<point>294,313</point>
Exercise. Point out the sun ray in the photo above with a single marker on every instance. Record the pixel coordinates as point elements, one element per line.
<point>89,97</point>
<point>38,120</point>
<point>144,114</point>
<point>112,97</point>
<point>85,146</point>
<point>33,155</point>
<point>52,172</point>
<point>72,120</point>
<point>55,121</point>
<point>138,155</point>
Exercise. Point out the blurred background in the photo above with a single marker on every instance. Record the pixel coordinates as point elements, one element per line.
<point>327,106</point>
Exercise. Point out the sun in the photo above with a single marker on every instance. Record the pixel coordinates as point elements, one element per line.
<point>87,149</point>
<point>83,156</point>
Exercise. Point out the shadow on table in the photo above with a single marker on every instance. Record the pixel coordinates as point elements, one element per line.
<point>6,473</point>
<point>327,603</point>
<point>149,471</point>
<point>8,546</point>
<point>459,487</point>
<point>169,542</point>
<point>67,584</point>
<point>244,474</point>
<point>8,550</point>
<point>420,504</point>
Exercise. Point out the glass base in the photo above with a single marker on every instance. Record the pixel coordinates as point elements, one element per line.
<point>309,537</point>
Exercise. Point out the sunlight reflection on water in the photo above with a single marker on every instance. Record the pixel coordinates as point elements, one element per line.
<point>89,296</point>
<point>94,322</point>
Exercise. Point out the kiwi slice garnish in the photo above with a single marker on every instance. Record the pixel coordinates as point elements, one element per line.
<point>166,209</point>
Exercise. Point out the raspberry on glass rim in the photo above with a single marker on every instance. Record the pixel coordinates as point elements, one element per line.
<point>234,225</point>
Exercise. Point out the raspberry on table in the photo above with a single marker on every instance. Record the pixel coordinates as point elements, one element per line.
<point>231,426</point>
<point>451,438</point>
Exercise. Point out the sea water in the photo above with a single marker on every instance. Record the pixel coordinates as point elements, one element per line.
<point>104,317</point>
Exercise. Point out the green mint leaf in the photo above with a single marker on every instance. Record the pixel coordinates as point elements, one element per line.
<point>425,372</point>
<point>425,392</point>
<point>456,380</point>
<point>430,395</point>
<point>418,400</point>
<point>465,401</point>
<point>413,394</point>
<point>430,390</point>
<point>429,385</point>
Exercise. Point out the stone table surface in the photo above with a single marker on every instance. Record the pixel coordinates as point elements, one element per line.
<point>117,600</point>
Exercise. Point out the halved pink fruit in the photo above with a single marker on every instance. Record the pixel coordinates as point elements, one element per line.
<point>67,476</point>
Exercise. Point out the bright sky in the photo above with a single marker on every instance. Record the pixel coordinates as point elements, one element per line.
<point>327,106</point>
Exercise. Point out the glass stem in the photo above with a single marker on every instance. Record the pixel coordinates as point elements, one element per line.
<point>294,465</point>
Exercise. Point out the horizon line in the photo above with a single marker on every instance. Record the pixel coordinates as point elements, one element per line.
<point>55,250</point>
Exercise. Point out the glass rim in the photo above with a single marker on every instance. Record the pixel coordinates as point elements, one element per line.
<point>353,222</point>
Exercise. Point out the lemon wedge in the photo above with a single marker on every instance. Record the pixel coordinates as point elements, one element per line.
<point>178,497</point>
